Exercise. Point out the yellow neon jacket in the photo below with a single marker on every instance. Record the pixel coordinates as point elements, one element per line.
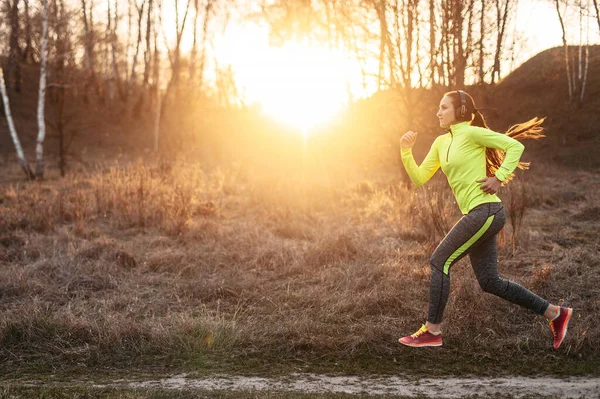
<point>461,155</point>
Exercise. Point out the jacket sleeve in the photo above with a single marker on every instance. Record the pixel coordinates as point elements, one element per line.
<point>513,149</point>
<point>420,174</point>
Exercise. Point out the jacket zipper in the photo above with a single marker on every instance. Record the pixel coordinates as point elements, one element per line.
<point>448,152</point>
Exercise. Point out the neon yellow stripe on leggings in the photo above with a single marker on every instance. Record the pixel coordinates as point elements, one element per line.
<point>467,244</point>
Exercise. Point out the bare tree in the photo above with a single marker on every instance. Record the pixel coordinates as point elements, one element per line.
<point>58,88</point>
<point>432,44</point>
<point>13,130</point>
<point>113,23</point>
<point>566,48</point>
<point>148,48</point>
<point>157,96</point>
<point>194,51</point>
<point>576,76</point>
<point>14,56</point>
<point>207,14</point>
<point>128,44</point>
<point>481,43</point>
<point>109,39</point>
<point>140,10</point>
<point>445,70</point>
<point>597,13</point>
<point>89,43</point>
<point>39,150</point>
<point>175,54</point>
<point>405,25</point>
<point>460,51</point>
<point>27,55</point>
<point>583,69</point>
<point>380,7</point>
<point>502,15</point>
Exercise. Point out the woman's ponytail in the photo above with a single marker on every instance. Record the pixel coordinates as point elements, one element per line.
<point>532,129</point>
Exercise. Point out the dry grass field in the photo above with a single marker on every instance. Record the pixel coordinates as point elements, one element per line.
<point>158,264</point>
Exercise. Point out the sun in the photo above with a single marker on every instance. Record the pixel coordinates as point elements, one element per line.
<point>301,84</point>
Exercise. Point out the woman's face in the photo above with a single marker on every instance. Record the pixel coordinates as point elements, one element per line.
<point>447,113</point>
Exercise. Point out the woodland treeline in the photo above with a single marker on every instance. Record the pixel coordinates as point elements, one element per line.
<point>127,54</point>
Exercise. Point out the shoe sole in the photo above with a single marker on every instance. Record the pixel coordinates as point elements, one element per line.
<point>420,345</point>
<point>564,334</point>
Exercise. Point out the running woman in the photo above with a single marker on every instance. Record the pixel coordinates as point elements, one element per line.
<point>476,162</point>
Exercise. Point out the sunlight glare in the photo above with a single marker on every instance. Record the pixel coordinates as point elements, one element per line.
<point>300,84</point>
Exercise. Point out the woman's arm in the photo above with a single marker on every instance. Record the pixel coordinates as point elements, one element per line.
<point>421,174</point>
<point>513,148</point>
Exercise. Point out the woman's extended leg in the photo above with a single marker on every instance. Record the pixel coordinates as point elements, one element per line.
<point>484,259</point>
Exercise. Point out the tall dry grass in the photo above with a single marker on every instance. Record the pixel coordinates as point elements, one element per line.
<point>175,261</point>
<point>516,201</point>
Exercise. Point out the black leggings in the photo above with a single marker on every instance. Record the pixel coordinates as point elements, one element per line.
<point>475,234</point>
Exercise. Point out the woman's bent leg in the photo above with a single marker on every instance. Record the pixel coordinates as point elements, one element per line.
<point>482,222</point>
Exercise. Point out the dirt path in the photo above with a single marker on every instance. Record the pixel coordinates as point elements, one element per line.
<point>517,387</point>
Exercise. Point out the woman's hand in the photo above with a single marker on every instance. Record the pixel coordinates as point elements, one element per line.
<point>490,185</point>
<point>408,140</point>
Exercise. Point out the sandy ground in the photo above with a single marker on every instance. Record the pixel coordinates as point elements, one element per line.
<point>517,387</point>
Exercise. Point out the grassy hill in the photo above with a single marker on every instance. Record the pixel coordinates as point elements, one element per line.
<point>539,88</point>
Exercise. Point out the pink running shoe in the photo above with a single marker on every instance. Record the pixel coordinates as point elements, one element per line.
<point>559,325</point>
<point>422,338</point>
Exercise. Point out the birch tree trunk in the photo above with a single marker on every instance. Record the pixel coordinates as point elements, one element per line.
<point>566,47</point>
<point>583,69</point>
<point>585,73</point>
<point>13,131</point>
<point>39,149</point>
